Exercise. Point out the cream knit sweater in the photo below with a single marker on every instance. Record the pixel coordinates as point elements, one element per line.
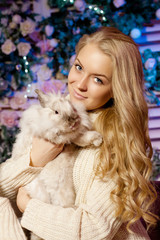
<point>92,217</point>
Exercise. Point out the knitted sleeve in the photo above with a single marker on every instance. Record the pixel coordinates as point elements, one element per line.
<point>10,228</point>
<point>14,174</point>
<point>93,220</point>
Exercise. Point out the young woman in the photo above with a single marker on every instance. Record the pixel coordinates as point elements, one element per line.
<point>112,183</point>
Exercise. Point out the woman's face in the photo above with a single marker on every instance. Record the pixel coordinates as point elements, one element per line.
<point>89,80</point>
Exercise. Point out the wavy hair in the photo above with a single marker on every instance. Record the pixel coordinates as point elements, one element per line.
<point>125,155</point>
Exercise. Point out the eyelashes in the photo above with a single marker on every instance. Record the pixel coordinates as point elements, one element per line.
<point>98,80</point>
<point>79,69</point>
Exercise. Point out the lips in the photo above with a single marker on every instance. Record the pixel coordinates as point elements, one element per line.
<point>77,95</point>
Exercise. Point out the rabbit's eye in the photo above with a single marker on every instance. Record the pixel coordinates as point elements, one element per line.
<point>56,112</point>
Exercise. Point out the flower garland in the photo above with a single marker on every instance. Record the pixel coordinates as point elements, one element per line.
<point>37,52</point>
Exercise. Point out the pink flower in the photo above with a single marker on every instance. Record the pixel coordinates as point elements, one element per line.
<point>49,30</point>
<point>72,59</point>
<point>52,85</point>
<point>47,86</point>
<point>23,48</point>
<point>80,5</point>
<point>4,22</point>
<point>9,118</point>
<point>44,73</point>
<point>16,18</point>
<point>27,27</point>
<point>8,47</point>
<point>118,3</point>
<point>19,101</point>
<point>59,86</point>
<point>150,63</point>
<point>45,46</point>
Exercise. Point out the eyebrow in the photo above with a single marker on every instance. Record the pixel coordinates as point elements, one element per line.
<point>98,74</point>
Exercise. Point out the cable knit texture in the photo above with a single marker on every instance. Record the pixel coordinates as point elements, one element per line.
<point>91,218</point>
<point>10,228</point>
<point>13,174</point>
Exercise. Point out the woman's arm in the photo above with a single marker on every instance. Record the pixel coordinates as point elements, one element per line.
<point>19,172</point>
<point>93,220</point>
<point>10,227</point>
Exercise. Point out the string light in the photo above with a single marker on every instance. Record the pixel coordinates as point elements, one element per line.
<point>98,11</point>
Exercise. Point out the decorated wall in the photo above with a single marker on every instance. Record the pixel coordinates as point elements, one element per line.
<point>37,49</point>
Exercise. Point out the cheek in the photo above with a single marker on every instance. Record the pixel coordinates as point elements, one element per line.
<point>102,98</point>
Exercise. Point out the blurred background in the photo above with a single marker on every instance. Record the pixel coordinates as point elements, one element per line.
<point>37,49</point>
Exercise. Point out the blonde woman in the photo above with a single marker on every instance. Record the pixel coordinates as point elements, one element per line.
<point>112,183</point>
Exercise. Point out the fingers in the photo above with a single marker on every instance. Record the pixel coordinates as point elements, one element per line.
<point>22,199</point>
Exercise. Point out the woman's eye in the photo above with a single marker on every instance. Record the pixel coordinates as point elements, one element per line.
<point>78,67</point>
<point>97,80</point>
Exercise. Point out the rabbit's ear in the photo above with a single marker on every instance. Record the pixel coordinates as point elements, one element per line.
<point>43,99</point>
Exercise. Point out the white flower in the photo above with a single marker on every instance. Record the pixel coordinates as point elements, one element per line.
<point>23,48</point>
<point>80,5</point>
<point>27,27</point>
<point>16,18</point>
<point>53,42</point>
<point>135,33</point>
<point>8,47</point>
<point>150,63</point>
<point>49,30</point>
<point>118,3</point>
<point>44,73</point>
<point>12,25</point>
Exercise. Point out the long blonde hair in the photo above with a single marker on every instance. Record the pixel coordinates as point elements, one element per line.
<point>125,155</point>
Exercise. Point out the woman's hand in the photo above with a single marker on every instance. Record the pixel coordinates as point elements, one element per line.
<point>43,152</point>
<point>22,199</point>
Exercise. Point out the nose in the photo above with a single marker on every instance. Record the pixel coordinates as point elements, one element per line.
<point>83,83</point>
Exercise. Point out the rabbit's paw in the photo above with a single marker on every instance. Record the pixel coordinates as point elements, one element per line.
<point>97,140</point>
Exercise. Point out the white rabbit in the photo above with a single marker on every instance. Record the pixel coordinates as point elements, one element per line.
<point>59,121</point>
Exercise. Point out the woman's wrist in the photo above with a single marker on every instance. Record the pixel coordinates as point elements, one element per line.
<point>43,151</point>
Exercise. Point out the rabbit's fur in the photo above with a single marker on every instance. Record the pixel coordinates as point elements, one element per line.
<point>57,120</point>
